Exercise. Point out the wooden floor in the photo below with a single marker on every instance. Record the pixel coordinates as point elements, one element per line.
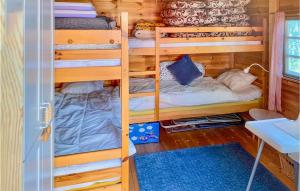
<point>206,137</point>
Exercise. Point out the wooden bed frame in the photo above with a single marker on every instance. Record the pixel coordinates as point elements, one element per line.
<point>259,34</point>
<point>117,36</point>
<point>120,36</point>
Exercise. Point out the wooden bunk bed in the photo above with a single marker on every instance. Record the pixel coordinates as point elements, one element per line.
<point>259,34</point>
<point>62,75</point>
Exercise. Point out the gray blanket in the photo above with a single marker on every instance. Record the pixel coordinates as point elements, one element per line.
<point>102,23</point>
<point>84,123</point>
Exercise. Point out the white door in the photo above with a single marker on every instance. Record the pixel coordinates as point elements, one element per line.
<point>38,95</point>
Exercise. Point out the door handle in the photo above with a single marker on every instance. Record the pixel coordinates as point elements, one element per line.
<point>46,115</point>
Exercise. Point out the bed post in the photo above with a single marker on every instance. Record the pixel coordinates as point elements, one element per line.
<point>157,72</point>
<point>264,61</point>
<point>124,102</point>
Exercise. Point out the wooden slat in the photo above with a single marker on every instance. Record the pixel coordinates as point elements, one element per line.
<point>82,158</point>
<point>125,103</point>
<point>142,51</point>
<point>209,29</point>
<point>143,73</point>
<point>90,176</point>
<point>87,74</point>
<point>185,112</point>
<point>211,39</point>
<point>197,50</point>
<point>87,37</point>
<point>87,54</point>
<point>144,94</point>
<point>211,49</point>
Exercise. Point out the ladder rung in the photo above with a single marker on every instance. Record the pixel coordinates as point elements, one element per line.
<point>144,94</point>
<point>143,73</point>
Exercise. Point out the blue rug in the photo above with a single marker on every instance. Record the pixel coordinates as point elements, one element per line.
<point>213,168</point>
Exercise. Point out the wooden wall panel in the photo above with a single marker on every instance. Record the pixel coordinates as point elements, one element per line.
<point>11,63</point>
<point>290,98</point>
<point>146,9</point>
<point>150,10</point>
<point>290,88</point>
<point>290,7</point>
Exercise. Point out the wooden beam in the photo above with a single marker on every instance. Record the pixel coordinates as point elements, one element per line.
<point>82,158</point>
<point>84,177</point>
<point>143,73</point>
<point>87,37</point>
<point>87,74</point>
<point>189,112</point>
<point>125,102</point>
<point>87,54</point>
<point>143,94</point>
<point>209,29</point>
<point>211,39</point>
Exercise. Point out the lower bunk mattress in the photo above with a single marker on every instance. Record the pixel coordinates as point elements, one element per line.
<point>86,123</point>
<point>201,92</point>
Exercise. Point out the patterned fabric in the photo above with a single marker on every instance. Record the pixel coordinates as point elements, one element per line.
<point>184,4</point>
<point>190,21</point>
<point>225,12</point>
<point>166,13</point>
<point>234,18</point>
<point>226,3</point>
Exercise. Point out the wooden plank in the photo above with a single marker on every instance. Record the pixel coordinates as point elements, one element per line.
<point>87,74</point>
<point>125,103</point>
<point>211,39</point>
<point>87,54</point>
<point>209,29</point>
<point>12,95</point>
<point>143,73</point>
<point>143,94</point>
<point>141,51</point>
<point>211,49</point>
<point>90,176</point>
<point>197,50</point>
<point>157,76</point>
<point>87,37</point>
<point>185,112</point>
<point>82,158</point>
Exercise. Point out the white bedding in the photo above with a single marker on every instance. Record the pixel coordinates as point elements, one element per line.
<point>201,92</point>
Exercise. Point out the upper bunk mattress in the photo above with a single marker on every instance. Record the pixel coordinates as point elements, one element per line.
<point>85,123</point>
<point>201,92</point>
<point>150,43</point>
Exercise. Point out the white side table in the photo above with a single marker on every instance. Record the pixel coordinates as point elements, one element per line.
<point>268,132</point>
<point>262,114</point>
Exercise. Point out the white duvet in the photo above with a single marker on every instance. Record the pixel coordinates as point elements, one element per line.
<point>201,92</point>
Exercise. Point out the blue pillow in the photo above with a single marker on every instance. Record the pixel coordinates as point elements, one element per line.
<point>184,70</point>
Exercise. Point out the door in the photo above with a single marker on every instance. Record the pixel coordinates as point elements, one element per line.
<point>38,92</point>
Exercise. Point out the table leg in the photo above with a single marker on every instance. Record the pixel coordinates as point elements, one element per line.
<point>255,164</point>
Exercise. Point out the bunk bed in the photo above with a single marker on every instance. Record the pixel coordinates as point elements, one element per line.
<point>93,168</point>
<point>256,42</point>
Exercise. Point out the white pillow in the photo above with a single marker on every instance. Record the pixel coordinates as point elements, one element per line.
<point>82,87</point>
<point>165,74</point>
<point>236,79</point>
